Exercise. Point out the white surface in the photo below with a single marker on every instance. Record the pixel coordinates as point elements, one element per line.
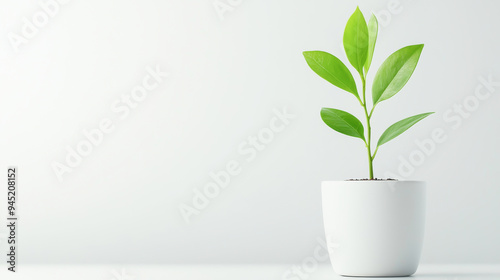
<point>234,272</point>
<point>374,228</point>
<point>121,204</point>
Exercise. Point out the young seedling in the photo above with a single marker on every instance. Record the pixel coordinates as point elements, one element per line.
<point>393,74</point>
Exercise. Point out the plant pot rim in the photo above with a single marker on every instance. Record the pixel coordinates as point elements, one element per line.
<point>373,181</point>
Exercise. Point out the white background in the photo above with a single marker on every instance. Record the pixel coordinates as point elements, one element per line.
<point>227,75</point>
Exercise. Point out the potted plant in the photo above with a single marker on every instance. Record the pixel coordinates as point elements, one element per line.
<point>374,227</point>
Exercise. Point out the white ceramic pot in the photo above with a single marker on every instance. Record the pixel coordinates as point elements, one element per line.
<point>374,228</point>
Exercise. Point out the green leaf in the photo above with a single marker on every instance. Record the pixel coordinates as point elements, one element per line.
<point>343,122</point>
<point>395,72</point>
<point>372,39</point>
<point>330,68</point>
<point>396,129</point>
<point>356,40</point>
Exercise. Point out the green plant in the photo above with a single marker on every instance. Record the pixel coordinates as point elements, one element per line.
<point>393,74</point>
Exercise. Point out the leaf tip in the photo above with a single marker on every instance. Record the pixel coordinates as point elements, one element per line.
<point>358,11</point>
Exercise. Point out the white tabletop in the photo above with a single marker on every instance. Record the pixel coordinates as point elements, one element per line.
<point>232,272</point>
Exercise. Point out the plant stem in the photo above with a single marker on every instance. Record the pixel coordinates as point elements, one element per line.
<point>368,144</point>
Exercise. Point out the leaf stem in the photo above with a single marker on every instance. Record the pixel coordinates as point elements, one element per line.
<point>371,112</point>
<point>368,144</point>
<point>375,153</point>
